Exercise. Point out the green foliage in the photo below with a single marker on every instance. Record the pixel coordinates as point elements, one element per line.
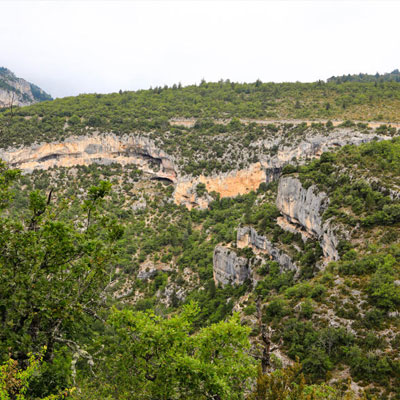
<point>387,77</point>
<point>289,384</point>
<point>170,361</point>
<point>382,289</point>
<point>15,381</point>
<point>200,189</point>
<point>54,270</point>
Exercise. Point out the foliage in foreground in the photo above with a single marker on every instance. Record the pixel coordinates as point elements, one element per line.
<point>146,356</point>
<point>14,381</point>
<point>289,384</point>
<point>53,272</point>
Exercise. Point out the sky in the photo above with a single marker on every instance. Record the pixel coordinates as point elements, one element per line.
<point>72,47</point>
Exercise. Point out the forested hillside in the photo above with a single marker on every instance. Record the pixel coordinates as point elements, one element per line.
<point>220,241</point>
<point>388,77</point>
<point>148,110</point>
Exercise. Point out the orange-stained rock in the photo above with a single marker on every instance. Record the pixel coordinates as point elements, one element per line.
<point>226,185</point>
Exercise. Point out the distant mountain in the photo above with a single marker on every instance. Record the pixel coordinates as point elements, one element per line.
<point>18,91</point>
<point>393,76</point>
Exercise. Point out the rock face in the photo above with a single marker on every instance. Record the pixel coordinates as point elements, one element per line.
<point>102,149</point>
<point>226,185</point>
<point>229,268</point>
<point>248,236</point>
<point>18,92</point>
<point>149,270</point>
<point>302,211</point>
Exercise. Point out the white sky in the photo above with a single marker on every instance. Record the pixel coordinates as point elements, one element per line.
<point>72,47</point>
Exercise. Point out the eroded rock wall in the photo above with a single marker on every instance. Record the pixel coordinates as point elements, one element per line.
<point>302,211</point>
<point>269,168</point>
<point>16,91</point>
<point>85,150</point>
<point>226,185</point>
<point>142,151</point>
<point>229,268</point>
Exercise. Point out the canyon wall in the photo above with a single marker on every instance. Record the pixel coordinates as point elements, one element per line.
<point>228,184</point>
<point>16,91</point>
<point>268,169</point>
<point>142,151</point>
<point>102,149</point>
<point>302,211</point>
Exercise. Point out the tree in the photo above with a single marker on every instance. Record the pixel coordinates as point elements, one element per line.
<point>14,381</point>
<point>289,384</point>
<point>54,270</point>
<point>161,358</point>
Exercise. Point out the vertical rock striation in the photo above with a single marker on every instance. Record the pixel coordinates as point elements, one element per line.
<point>229,268</point>
<point>302,211</point>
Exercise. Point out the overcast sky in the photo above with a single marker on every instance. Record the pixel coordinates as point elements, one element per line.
<point>76,47</point>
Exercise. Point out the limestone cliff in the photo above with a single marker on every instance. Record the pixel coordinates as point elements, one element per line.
<point>302,211</point>
<point>85,150</point>
<point>229,268</point>
<point>226,185</point>
<point>17,91</point>
<point>151,158</point>
<point>248,236</point>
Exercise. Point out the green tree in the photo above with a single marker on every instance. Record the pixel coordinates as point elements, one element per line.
<point>289,384</point>
<point>14,381</point>
<point>53,269</point>
<point>161,358</point>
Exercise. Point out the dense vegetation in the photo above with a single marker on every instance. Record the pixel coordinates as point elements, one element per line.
<point>179,243</point>
<point>58,255</point>
<point>151,110</point>
<point>387,77</point>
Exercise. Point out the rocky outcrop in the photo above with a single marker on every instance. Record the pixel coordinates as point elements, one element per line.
<point>229,268</point>
<point>102,149</point>
<point>248,237</point>
<point>17,91</point>
<point>149,270</point>
<point>302,211</point>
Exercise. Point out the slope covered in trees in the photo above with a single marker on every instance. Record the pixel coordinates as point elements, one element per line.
<point>151,110</point>
<point>393,76</point>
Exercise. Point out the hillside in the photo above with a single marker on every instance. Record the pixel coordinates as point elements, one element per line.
<point>155,109</point>
<point>16,91</point>
<point>239,197</point>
